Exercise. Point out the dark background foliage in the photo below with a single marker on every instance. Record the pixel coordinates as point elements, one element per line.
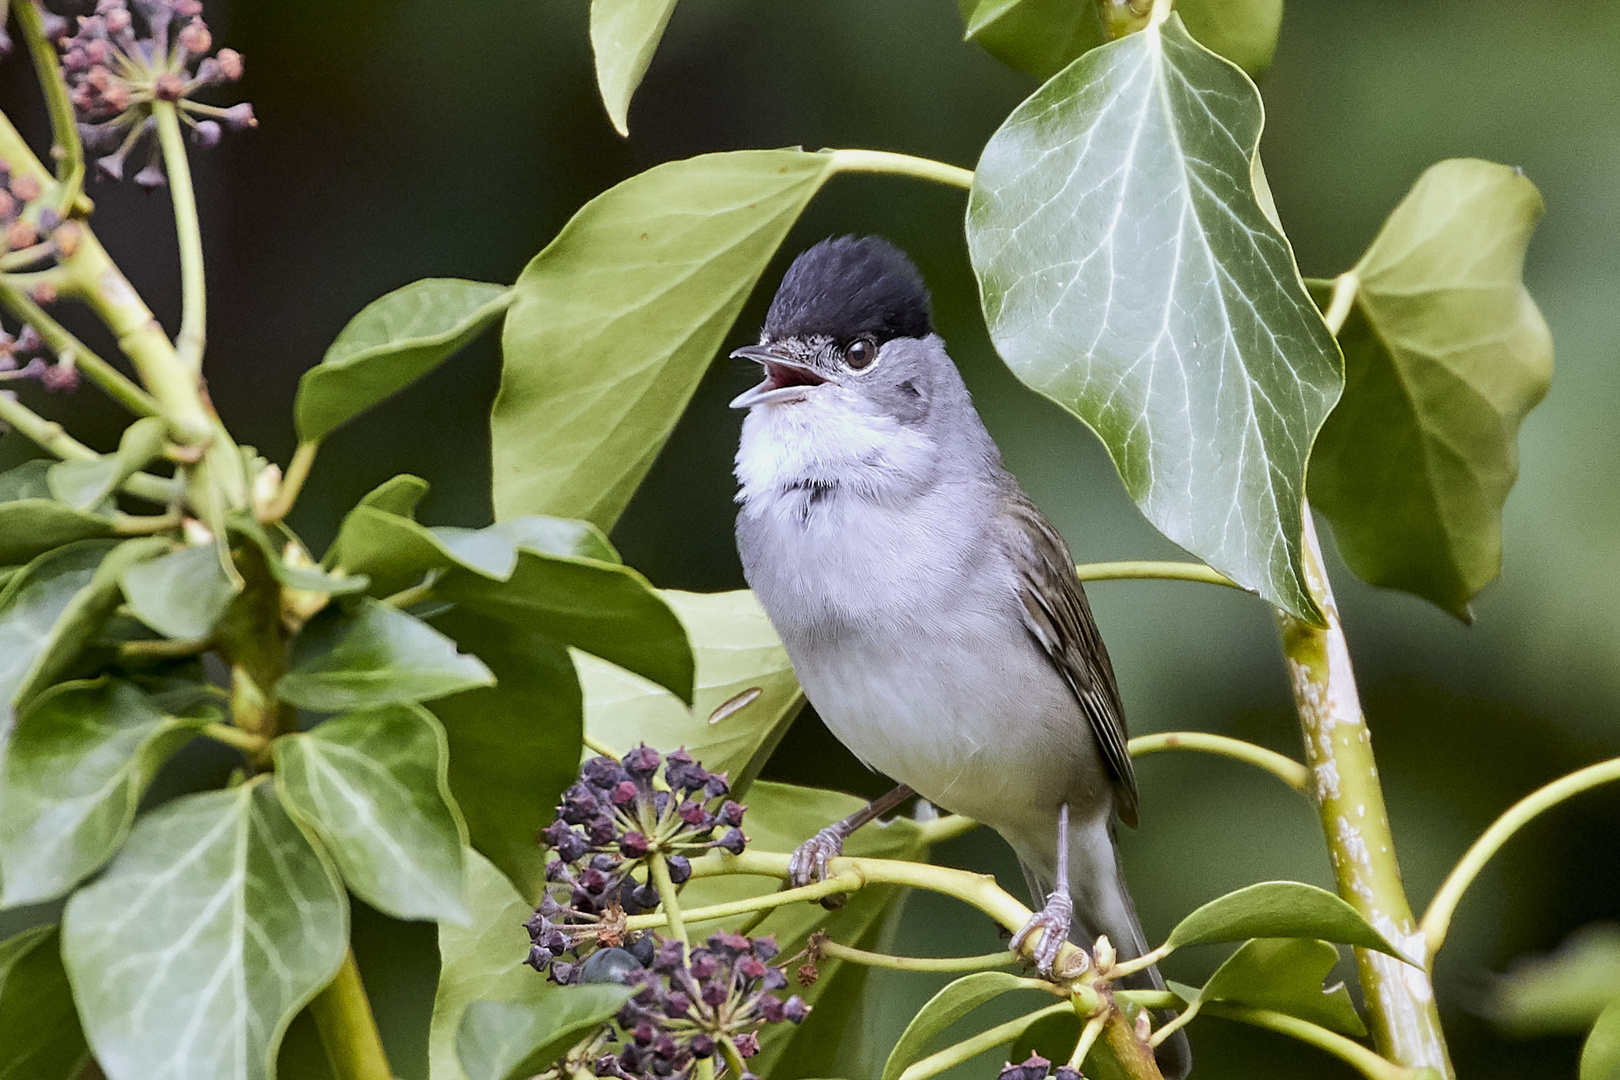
<point>411,138</point>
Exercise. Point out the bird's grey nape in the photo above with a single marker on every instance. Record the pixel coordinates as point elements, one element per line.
<point>850,287</point>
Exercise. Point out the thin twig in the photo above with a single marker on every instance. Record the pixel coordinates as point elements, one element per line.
<point>1284,768</point>
<point>66,147</point>
<point>122,389</point>
<point>193,283</point>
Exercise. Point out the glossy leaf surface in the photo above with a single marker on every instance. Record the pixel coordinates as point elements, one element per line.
<point>945,1008</point>
<point>79,761</point>
<point>1445,352</point>
<point>376,656</point>
<point>395,340</point>
<point>1278,909</point>
<point>35,606</point>
<point>374,787</point>
<point>216,923</point>
<point>84,484</point>
<point>1285,975</point>
<point>1128,272</point>
<point>514,1040</point>
<point>746,694</point>
<point>617,319</point>
<point>183,594</point>
<point>624,36</point>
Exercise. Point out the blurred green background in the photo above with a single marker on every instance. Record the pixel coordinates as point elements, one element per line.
<point>409,138</point>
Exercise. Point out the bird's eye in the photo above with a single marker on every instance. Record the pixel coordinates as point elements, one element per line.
<point>861,353</point>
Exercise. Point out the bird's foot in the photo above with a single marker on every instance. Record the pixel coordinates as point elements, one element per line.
<point>1053,922</point>
<point>811,860</point>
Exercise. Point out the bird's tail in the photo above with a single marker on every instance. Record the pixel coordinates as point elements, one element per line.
<point>1103,905</point>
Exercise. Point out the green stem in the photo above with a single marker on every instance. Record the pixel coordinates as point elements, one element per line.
<point>1402,1013</point>
<point>1283,768</point>
<point>882,161</point>
<point>67,149</point>
<point>1437,919</point>
<point>987,962</point>
<point>658,868</point>
<point>967,1049</point>
<point>245,741</point>
<point>348,1030</point>
<point>50,436</point>
<point>734,1058</point>
<point>19,156</point>
<point>1167,571</point>
<point>948,827</point>
<point>1347,1050</point>
<point>193,285</point>
<point>705,1068</point>
<point>1088,1038</point>
<point>146,525</point>
<point>599,748</point>
<point>406,597</point>
<point>17,301</point>
<point>1344,294</point>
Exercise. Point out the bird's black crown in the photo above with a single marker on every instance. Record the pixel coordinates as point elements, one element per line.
<point>849,287</point>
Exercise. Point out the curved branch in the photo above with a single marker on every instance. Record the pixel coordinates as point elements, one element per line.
<point>1345,1049</point>
<point>1165,571</point>
<point>936,1063</point>
<point>1284,768</point>
<point>67,148</point>
<point>1437,920</point>
<point>882,161</point>
<point>987,962</point>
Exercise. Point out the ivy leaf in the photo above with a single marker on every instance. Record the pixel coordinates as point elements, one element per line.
<point>1562,992</point>
<point>614,323</point>
<point>481,961</point>
<point>85,484</point>
<point>557,536</point>
<point>1279,909</point>
<point>1042,37</point>
<point>44,611</point>
<point>183,594</point>
<point>514,1040</point>
<point>514,746</point>
<point>1445,353</point>
<point>945,1008</point>
<point>396,495</point>
<point>1128,272</point>
<point>1285,975</point>
<point>79,761</point>
<point>624,36</point>
<point>40,1037</point>
<point>374,787</point>
<point>210,930</point>
<point>376,656</point>
<point>605,609</point>
<point>746,694</point>
<point>394,552</point>
<point>395,340</point>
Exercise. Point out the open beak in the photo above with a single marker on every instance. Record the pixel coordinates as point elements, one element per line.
<point>785,379</point>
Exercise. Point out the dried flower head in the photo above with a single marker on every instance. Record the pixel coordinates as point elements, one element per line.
<point>1036,1067</point>
<point>131,53</point>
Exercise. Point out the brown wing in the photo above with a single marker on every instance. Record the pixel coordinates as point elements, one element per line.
<point>1058,617</point>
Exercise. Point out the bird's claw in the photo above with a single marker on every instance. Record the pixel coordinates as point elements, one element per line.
<point>1053,921</point>
<point>811,860</point>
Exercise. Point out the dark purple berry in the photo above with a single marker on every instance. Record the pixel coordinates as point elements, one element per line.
<point>680,869</point>
<point>795,1010</point>
<point>642,762</point>
<point>733,841</point>
<point>731,813</point>
<point>634,845</point>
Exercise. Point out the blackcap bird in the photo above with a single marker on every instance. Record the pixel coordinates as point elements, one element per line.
<point>932,613</point>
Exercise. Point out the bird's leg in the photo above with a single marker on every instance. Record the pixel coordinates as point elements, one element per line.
<point>1053,920</point>
<point>810,859</point>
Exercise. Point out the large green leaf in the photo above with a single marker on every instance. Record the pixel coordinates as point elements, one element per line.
<point>1128,272</point>
<point>210,930</point>
<point>624,36</point>
<point>396,495</point>
<point>1445,353</point>
<point>45,612</point>
<point>80,759</point>
<point>1285,975</point>
<point>616,320</point>
<point>84,484</point>
<point>602,608</point>
<point>1043,36</point>
<point>374,656</point>
<point>945,1008</point>
<point>745,699</point>
<point>181,595</point>
<point>1278,909</point>
<point>375,788</point>
<point>395,340</point>
<point>395,552</point>
<point>39,1028</point>
<point>514,1040</point>
<point>479,962</point>
<point>514,746</point>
